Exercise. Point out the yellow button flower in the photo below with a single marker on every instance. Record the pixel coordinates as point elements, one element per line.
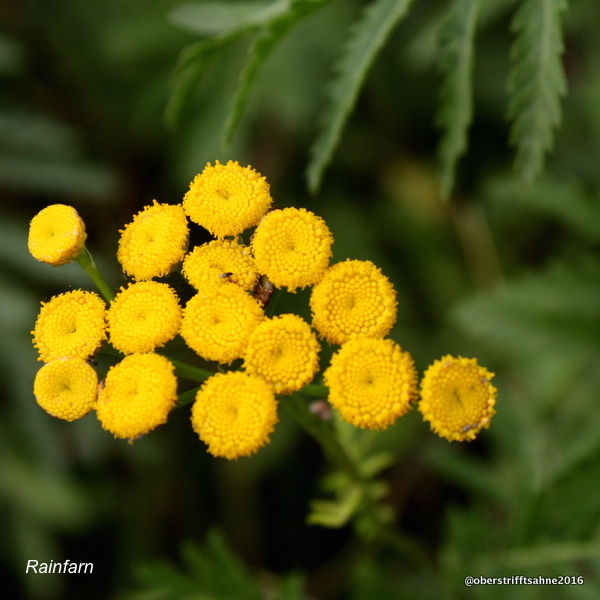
<point>56,235</point>
<point>143,316</point>
<point>154,242</point>
<point>226,199</point>
<point>217,323</point>
<point>70,325</point>
<point>220,261</point>
<point>284,352</point>
<point>138,394</point>
<point>234,414</point>
<point>354,299</point>
<point>292,247</point>
<point>66,388</point>
<point>457,398</point>
<point>371,382</point>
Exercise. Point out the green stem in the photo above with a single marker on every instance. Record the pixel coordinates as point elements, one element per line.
<point>190,372</point>
<point>182,369</point>
<point>270,310</point>
<point>87,263</point>
<point>187,397</point>
<point>320,391</point>
<point>322,432</point>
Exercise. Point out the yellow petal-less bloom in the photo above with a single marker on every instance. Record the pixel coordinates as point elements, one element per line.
<point>220,261</point>
<point>143,316</point>
<point>371,382</point>
<point>66,388</point>
<point>138,394</point>
<point>457,398</point>
<point>226,199</point>
<point>56,235</point>
<point>70,325</point>
<point>292,247</point>
<point>218,322</point>
<point>154,242</point>
<point>234,414</point>
<point>354,299</point>
<point>284,352</point>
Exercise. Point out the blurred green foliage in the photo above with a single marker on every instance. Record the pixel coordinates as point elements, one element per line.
<point>403,103</point>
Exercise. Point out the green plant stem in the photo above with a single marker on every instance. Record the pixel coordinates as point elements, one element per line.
<point>319,391</point>
<point>187,371</point>
<point>270,310</point>
<point>323,432</point>
<point>87,263</point>
<point>186,397</point>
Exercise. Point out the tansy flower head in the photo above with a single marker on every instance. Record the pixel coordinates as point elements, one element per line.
<point>218,262</point>
<point>354,299</point>
<point>138,394</point>
<point>284,352</point>
<point>56,235</point>
<point>144,316</point>
<point>226,199</point>
<point>66,388</point>
<point>218,322</point>
<point>457,398</point>
<point>70,325</point>
<point>154,242</point>
<point>371,382</point>
<point>234,414</point>
<point>292,247</point>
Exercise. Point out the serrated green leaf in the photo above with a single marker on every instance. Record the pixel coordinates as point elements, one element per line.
<point>536,82</point>
<point>212,18</point>
<point>262,47</point>
<point>367,37</point>
<point>335,513</point>
<point>456,110</point>
<point>191,67</point>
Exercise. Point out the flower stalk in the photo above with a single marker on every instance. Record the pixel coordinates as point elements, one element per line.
<point>86,262</point>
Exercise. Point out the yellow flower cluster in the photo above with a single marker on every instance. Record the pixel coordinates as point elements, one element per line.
<point>154,242</point>
<point>284,352</point>
<point>70,325</point>
<point>457,398</point>
<point>144,316</point>
<point>227,199</point>
<point>220,261</point>
<point>217,324</point>
<point>353,300</point>
<point>56,235</point>
<point>66,388</point>
<point>234,414</point>
<point>137,396</point>
<point>292,247</point>
<point>371,380</point>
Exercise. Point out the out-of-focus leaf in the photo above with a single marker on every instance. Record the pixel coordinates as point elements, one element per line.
<point>11,56</point>
<point>564,200</point>
<point>335,513</point>
<point>456,95</point>
<point>193,63</point>
<point>211,18</point>
<point>212,572</point>
<point>536,82</point>
<point>367,37</point>
<point>54,178</point>
<point>539,314</point>
<point>267,40</point>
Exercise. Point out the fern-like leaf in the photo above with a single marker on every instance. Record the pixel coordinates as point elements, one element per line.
<point>193,63</point>
<point>267,40</point>
<point>536,82</point>
<point>456,110</point>
<point>366,39</point>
